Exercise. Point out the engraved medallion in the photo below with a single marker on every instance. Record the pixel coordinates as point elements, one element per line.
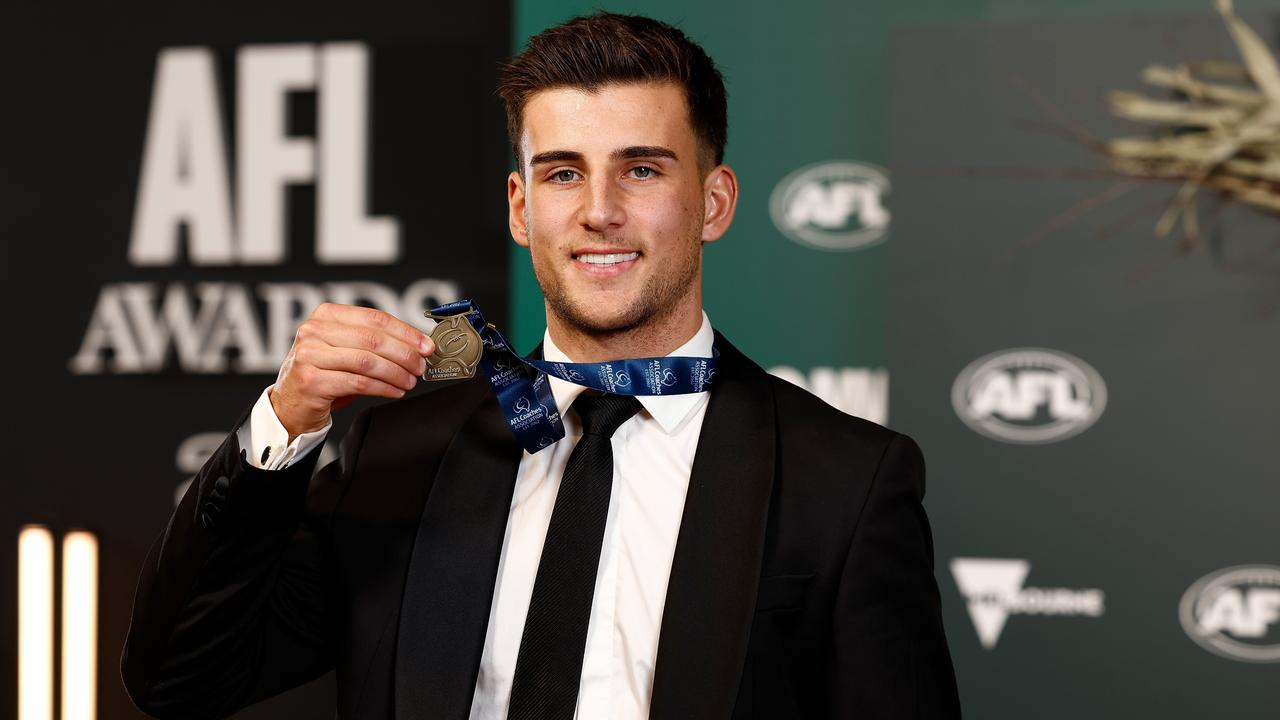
<point>458,349</point>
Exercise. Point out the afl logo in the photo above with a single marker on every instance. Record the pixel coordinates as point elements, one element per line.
<point>837,205</point>
<point>1235,613</point>
<point>454,341</point>
<point>1029,395</point>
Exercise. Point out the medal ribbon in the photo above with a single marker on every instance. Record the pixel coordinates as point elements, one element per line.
<point>522,389</point>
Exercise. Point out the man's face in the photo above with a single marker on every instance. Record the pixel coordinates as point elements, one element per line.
<point>614,204</point>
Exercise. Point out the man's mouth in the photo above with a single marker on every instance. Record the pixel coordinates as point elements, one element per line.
<point>602,259</point>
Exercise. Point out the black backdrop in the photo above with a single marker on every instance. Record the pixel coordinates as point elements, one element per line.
<point>99,449</point>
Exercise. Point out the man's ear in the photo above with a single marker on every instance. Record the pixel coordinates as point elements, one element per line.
<point>720,196</point>
<point>516,209</point>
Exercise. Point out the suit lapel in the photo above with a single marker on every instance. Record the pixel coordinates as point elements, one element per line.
<point>716,569</point>
<point>444,613</point>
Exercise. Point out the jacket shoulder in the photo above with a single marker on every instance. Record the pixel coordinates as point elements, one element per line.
<point>797,408</point>
<point>816,440</point>
<point>807,422</point>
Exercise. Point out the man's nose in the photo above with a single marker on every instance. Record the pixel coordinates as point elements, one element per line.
<point>602,204</point>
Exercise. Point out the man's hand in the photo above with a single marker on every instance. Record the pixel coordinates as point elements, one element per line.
<point>342,352</point>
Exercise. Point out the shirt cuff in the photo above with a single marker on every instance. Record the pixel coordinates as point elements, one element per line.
<point>266,441</point>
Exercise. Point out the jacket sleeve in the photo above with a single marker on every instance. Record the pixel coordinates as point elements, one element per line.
<point>235,597</point>
<point>889,656</point>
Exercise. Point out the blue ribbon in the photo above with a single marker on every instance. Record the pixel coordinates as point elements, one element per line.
<point>522,389</point>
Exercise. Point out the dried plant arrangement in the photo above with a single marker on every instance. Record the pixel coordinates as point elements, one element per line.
<point>1222,134</point>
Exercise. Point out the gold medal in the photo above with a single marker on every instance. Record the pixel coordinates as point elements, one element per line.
<point>458,349</point>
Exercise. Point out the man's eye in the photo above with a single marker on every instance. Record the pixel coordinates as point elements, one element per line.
<point>564,176</point>
<point>641,172</point>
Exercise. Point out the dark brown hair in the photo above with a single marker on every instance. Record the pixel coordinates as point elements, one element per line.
<point>592,51</point>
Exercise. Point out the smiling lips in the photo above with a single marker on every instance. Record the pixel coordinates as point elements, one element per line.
<point>599,263</point>
<point>606,258</point>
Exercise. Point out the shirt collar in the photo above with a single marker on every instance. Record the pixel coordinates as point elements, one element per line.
<point>669,410</point>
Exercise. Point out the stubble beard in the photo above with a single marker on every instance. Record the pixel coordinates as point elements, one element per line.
<point>663,294</point>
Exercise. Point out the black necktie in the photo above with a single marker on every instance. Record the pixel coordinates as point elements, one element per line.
<point>549,666</point>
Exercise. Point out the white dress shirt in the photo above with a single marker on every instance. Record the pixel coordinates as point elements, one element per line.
<point>653,454</point>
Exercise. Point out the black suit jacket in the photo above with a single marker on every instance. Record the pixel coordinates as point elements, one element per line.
<point>802,583</point>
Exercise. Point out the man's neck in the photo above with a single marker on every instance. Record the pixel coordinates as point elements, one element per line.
<point>652,339</point>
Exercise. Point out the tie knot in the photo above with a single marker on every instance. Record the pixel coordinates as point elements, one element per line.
<point>603,414</point>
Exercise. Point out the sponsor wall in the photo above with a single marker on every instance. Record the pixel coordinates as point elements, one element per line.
<point>1096,402</point>
<point>1096,409</point>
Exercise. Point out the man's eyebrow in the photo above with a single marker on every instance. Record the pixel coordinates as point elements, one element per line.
<point>555,156</point>
<point>627,153</point>
<point>643,151</point>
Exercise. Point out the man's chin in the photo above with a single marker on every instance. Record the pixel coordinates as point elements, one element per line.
<point>601,316</point>
<point>611,324</point>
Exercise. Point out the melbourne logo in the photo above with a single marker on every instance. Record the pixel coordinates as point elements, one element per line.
<point>1235,613</point>
<point>994,590</point>
<point>1029,395</point>
<point>837,205</point>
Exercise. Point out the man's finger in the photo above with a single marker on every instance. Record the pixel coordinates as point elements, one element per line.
<point>336,383</point>
<point>372,340</point>
<point>376,319</point>
<point>360,362</point>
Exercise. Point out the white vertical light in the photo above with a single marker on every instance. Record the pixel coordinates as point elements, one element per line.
<point>79,626</point>
<point>35,623</point>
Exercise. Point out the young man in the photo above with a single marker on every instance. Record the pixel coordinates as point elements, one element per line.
<point>743,552</point>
